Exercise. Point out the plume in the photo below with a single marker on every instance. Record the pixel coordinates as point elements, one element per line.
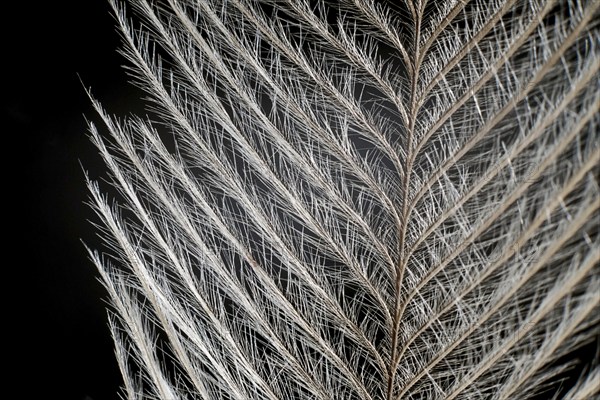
<point>354,200</point>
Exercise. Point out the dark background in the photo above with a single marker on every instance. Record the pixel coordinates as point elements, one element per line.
<point>59,344</point>
<point>57,341</point>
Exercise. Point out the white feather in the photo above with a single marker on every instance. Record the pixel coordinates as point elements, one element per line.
<point>361,201</point>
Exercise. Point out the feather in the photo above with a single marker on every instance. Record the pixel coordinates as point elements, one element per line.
<point>354,200</point>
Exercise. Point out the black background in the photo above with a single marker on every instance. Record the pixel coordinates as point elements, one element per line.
<point>58,343</point>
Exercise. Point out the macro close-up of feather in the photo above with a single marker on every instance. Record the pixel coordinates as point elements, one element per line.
<point>353,200</point>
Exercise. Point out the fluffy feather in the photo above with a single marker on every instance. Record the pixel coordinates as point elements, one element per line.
<point>359,200</point>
